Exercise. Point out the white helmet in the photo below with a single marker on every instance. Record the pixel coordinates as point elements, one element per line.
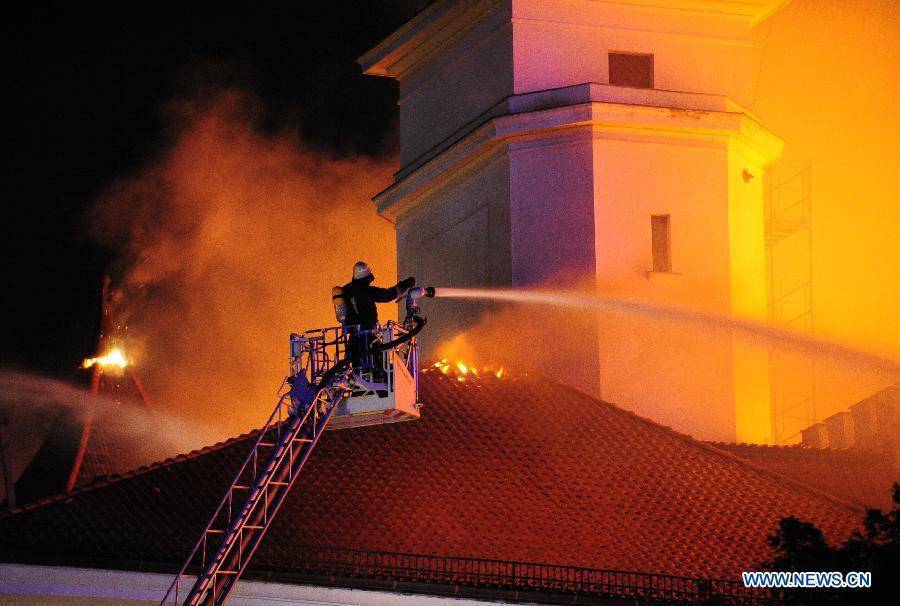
<point>361,270</point>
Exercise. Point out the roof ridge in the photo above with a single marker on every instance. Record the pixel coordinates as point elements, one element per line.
<point>790,449</point>
<point>116,478</point>
<point>785,478</point>
<point>719,452</point>
<point>721,444</point>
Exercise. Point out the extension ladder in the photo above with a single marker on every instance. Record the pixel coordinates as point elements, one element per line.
<point>252,501</point>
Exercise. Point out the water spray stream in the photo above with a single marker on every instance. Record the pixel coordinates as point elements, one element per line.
<point>32,402</point>
<point>746,327</point>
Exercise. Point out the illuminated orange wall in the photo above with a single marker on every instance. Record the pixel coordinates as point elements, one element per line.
<point>826,81</point>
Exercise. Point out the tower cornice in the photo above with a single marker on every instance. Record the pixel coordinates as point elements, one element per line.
<point>443,21</point>
<point>604,111</point>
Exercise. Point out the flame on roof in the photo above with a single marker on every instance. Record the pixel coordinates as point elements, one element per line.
<point>463,371</point>
<point>115,357</point>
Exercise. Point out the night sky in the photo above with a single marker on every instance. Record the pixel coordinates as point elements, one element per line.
<point>93,89</point>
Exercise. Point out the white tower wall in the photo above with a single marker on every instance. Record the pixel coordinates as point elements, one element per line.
<point>521,164</point>
<point>562,43</point>
<point>458,234</point>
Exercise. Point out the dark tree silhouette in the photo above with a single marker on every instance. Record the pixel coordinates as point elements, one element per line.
<point>800,546</point>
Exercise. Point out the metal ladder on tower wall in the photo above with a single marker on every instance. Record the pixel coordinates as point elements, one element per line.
<point>789,258</point>
<point>284,444</point>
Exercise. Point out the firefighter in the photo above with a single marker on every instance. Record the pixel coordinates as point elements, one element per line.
<point>361,296</point>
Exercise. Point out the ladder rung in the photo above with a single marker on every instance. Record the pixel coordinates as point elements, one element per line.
<point>215,531</point>
<point>252,527</point>
<point>307,440</point>
<point>267,444</point>
<point>277,483</point>
<point>239,487</point>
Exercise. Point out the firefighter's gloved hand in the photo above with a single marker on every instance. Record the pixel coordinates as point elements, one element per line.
<point>406,284</point>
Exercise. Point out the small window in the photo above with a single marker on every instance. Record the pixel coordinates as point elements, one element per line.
<point>661,236</point>
<point>630,69</point>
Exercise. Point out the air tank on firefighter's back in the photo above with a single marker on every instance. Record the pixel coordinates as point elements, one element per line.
<point>340,304</point>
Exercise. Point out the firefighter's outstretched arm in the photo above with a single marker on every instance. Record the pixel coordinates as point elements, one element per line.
<point>386,295</point>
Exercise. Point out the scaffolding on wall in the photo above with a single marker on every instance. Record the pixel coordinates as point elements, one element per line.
<point>788,224</point>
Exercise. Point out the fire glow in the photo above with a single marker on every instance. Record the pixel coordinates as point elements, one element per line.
<point>463,372</point>
<point>115,358</point>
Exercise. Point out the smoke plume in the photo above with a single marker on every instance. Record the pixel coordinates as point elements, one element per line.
<point>228,243</point>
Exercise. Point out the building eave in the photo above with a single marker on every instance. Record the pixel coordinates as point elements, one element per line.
<point>442,20</point>
<point>416,39</point>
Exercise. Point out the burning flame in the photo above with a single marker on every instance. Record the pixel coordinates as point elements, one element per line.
<point>115,357</point>
<point>463,371</point>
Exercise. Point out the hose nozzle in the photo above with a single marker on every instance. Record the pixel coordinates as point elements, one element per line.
<point>414,296</point>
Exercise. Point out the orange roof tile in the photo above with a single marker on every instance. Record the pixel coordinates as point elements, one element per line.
<point>516,469</point>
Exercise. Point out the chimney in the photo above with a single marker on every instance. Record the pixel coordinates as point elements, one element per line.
<point>815,436</point>
<point>887,412</point>
<point>865,423</point>
<point>876,419</point>
<point>840,430</point>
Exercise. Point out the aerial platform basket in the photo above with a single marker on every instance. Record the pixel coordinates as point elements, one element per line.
<point>383,385</point>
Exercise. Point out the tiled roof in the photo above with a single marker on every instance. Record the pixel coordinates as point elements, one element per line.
<point>862,478</point>
<point>514,469</point>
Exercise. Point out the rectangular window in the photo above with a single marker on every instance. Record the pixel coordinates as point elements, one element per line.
<point>631,69</point>
<point>661,236</point>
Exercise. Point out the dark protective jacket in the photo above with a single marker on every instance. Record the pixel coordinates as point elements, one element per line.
<point>361,299</point>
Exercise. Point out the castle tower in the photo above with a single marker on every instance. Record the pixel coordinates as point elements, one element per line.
<point>602,139</point>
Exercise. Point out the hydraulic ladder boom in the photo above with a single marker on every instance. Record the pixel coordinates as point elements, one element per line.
<point>258,490</point>
<point>285,442</point>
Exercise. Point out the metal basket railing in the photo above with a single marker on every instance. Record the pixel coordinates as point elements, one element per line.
<point>315,351</point>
